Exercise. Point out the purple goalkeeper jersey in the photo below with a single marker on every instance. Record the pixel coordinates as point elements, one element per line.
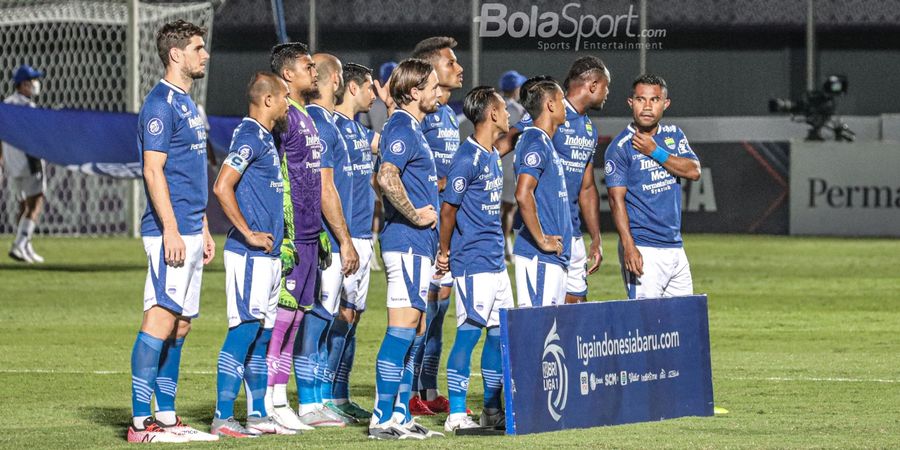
<point>302,152</point>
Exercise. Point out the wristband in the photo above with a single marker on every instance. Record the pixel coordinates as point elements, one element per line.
<point>660,155</point>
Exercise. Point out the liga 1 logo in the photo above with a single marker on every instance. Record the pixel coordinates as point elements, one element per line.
<point>555,374</point>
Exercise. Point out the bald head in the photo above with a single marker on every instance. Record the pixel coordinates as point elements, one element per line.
<point>265,84</point>
<point>327,65</point>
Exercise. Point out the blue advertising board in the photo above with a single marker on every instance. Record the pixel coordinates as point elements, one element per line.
<point>605,363</point>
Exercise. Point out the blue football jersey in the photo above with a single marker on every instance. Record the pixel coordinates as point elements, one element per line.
<point>535,156</point>
<point>653,195</point>
<point>475,185</point>
<point>575,141</point>
<point>260,191</point>
<point>170,123</point>
<point>336,157</point>
<point>403,145</point>
<point>359,145</point>
<point>442,132</point>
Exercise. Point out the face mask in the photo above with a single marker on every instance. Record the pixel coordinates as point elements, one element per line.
<point>35,88</point>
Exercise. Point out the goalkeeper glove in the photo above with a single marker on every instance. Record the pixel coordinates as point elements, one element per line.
<point>324,251</point>
<point>288,256</point>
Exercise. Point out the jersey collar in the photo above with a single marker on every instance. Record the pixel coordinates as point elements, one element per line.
<point>542,132</point>
<point>297,105</point>
<point>569,106</point>
<point>175,88</point>
<point>338,113</point>
<point>479,146</point>
<point>403,111</point>
<point>261,127</point>
<point>633,130</point>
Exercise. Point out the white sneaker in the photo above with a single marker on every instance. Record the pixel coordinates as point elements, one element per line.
<point>463,422</point>
<point>416,429</point>
<point>19,253</point>
<point>286,416</point>
<point>192,434</point>
<point>391,430</point>
<point>267,425</point>
<point>29,250</point>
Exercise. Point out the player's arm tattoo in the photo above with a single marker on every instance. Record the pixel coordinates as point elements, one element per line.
<point>393,190</point>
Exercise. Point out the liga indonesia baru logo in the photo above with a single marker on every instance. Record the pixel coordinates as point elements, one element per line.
<point>555,373</point>
<point>573,24</point>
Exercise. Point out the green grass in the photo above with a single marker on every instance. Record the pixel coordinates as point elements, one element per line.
<point>804,331</point>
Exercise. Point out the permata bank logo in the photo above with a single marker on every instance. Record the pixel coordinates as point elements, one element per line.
<point>555,374</point>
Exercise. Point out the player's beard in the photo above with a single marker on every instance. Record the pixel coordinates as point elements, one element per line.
<point>195,74</point>
<point>312,94</point>
<point>280,125</point>
<point>433,107</point>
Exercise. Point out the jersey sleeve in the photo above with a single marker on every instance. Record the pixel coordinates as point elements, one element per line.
<point>329,140</point>
<point>242,152</point>
<point>157,126</point>
<point>398,148</point>
<point>684,147</point>
<point>616,166</point>
<point>459,178</point>
<point>525,121</point>
<point>533,159</point>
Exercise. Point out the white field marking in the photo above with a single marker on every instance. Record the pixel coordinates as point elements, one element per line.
<point>803,379</point>
<point>94,372</point>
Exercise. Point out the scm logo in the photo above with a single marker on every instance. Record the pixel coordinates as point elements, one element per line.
<point>555,373</point>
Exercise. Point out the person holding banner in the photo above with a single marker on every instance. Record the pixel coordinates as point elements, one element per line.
<point>544,246</point>
<point>644,167</point>
<point>472,248</point>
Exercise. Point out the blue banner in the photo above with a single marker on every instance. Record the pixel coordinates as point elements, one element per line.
<point>93,142</point>
<point>605,363</point>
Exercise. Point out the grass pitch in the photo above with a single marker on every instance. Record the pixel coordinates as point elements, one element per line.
<point>804,331</point>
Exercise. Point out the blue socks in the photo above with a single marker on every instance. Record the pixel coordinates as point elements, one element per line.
<point>459,366</point>
<point>389,370</point>
<point>337,340</point>
<point>256,375</point>
<point>341,388</point>
<point>144,369</point>
<point>401,406</point>
<point>231,366</point>
<point>306,357</point>
<point>492,370</point>
<point>167,375</point>
<point>434,340</point>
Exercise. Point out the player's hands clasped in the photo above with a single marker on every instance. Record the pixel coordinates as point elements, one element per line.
<point>643,143</point>
<point>349,259</point>
<point>262,240</point>
<point>442,264</point>
<point>427,216</point>
<point>551,244</point>
<point>174,248</point>
<point>634,262</point>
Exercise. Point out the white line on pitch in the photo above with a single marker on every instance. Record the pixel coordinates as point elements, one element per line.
<point>828,379</point>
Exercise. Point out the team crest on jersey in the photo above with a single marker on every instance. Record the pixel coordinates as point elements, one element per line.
<point>453,120</point>
<point>670,143</point>
<point>588,127</point>
<point>609,168</point>
<point>398,147</point>
<point>526,118</point>
<point>155,126</point>
<point>244,151</point>
<point>459,184</point>
<point>532,159</point>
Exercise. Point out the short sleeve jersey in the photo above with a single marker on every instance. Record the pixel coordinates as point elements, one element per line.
<point>441,129</point>
<point>260,191</point>
<point>535,156</point>
<point>359,145</point>
<point>170,123</point>
<point>475,185</point>
<point>302,153</point>
<point>653,195</point>
<point>335,157</point>
<point>575,141</point>
<point>403,145</point>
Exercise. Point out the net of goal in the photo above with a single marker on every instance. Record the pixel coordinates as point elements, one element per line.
<point>83,48</point>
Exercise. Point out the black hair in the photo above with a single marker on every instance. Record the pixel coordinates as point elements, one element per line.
<point>286,54</point>
<point>477,102</point>
<point>652,80</point>
<point>535,94</point>
<point>429,48</point>
<point>582,68</point>
<point>356,73</point>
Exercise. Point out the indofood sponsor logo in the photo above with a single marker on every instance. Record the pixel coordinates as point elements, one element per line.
<point>573,27</point>
<point>555,374</point>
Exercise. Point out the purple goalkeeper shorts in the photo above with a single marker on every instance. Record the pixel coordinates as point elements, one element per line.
<point>301,281</point>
